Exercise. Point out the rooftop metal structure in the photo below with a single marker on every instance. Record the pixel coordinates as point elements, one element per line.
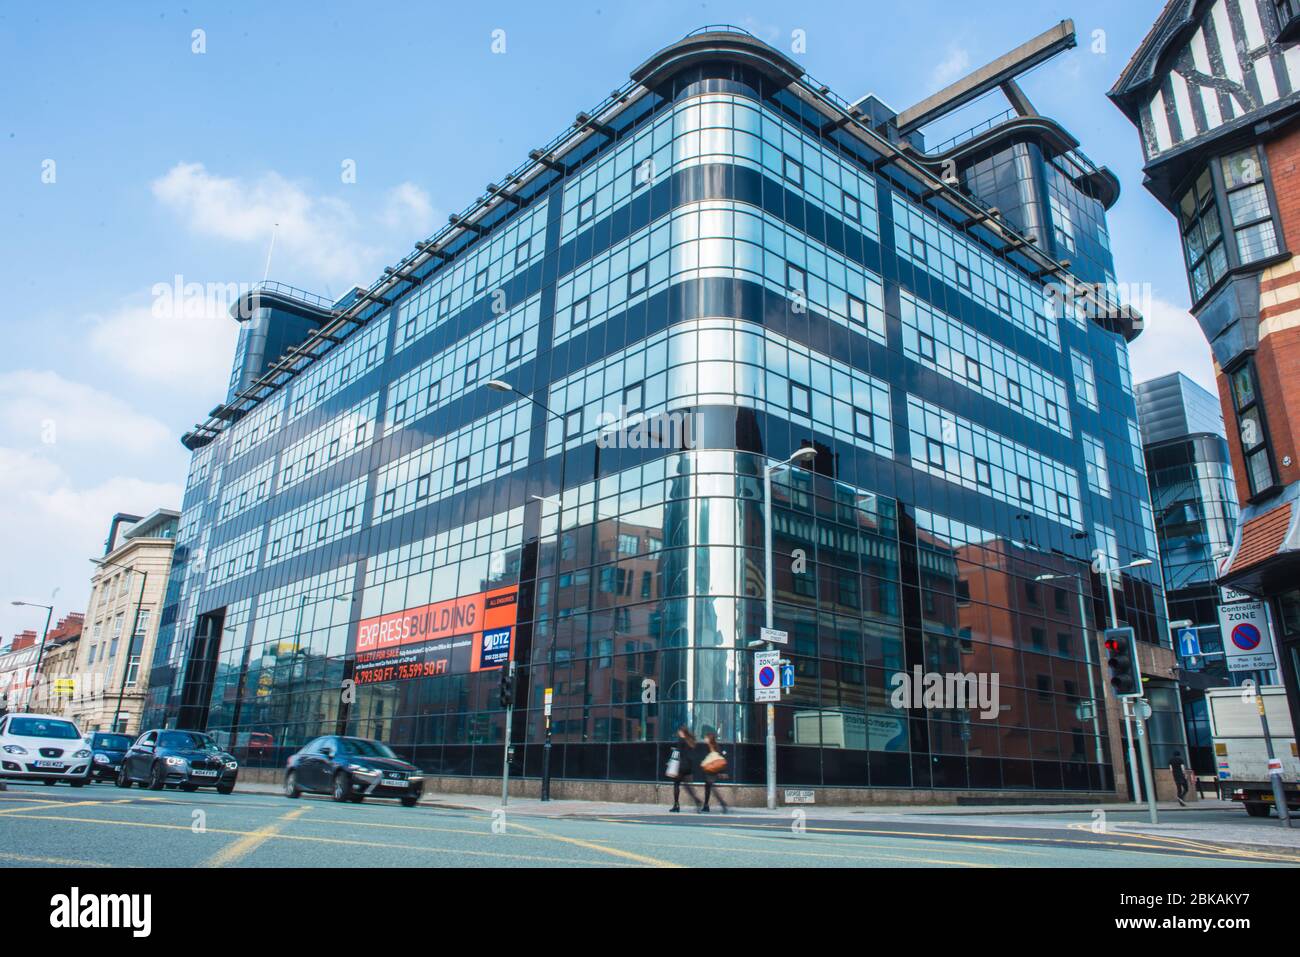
<point>904,170</point>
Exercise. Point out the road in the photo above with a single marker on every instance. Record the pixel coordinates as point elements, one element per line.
<point>103,826</point>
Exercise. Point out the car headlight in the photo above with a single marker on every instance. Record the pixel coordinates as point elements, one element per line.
<point>232,765</point>
<point>15,749</point>
<point>175,761</point>
<point>101,759</point>
<point>360,770</point>
<point>83,753</point>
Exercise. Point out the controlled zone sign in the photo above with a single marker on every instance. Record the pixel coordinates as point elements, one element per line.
<point>1247,640</point>
<point>767,676</point>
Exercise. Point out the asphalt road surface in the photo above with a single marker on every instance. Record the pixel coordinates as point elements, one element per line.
<point>104,826</point>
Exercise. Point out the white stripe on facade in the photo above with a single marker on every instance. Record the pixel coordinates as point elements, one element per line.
<point>1267,81</point>
<point>1291,56</point>
<point>1183,106</point>
<point>1209,95</point>
<point>1227,43</point>
<point>1254,29</point>
<point>1160,122</point>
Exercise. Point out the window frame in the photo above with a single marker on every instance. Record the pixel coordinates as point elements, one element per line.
<point>1255,406</point>
<point>1227,229</point>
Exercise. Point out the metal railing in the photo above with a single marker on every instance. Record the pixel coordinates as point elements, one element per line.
<point>972,132</point>
<point>292,292</point>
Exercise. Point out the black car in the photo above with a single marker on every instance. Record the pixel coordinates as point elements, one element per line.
<point>352,769</point>
<point>107,750</point>
<point>186,759</point>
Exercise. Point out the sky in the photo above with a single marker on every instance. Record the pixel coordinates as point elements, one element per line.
<point>145,145</point>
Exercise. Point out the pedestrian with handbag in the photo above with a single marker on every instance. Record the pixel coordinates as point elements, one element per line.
<point>712,766</point>
<point>681,763</point>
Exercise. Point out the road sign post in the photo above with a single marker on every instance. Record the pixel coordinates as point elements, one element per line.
<point>546,749</point>
<point>1274,767</point>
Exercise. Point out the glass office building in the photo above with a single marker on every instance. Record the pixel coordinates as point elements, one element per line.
<point>720,264</point>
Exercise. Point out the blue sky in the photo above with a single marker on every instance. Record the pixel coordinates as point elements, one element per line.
<point>168,162</point>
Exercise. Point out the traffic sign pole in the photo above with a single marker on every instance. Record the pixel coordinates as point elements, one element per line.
<point>768,590</point>
<point>1274,766</point>
<point>505,758</point>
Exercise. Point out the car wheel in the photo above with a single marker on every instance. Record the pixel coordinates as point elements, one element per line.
<point>157,777</point>
<point>122,780</point>
<point>1257,809</point>
<point>226,788</point>
<point>411,800</point>
<point>291,789</point>
<point>50,782</point>
<point>78,784</point>
<point>342,787</point>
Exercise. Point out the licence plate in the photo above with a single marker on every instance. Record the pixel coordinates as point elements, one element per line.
<point>395,783</point>
<point>50,764</point>
<point>204,774</point>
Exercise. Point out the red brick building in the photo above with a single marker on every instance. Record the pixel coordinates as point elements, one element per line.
<point>1214,90</point>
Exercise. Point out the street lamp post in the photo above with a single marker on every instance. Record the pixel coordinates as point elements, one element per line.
<point>40,652</point>
<point>500,385</point>
<point>802,455</point>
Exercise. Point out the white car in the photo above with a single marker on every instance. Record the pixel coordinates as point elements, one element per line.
<point>41,747</point>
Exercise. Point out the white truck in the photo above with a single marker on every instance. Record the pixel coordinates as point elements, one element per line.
<point>1239,750</point>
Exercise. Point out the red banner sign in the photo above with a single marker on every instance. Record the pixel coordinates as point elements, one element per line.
<point>446,637</point>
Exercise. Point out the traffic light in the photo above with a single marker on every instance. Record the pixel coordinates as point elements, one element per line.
<point>1121,662</point>
<point>507,688</point>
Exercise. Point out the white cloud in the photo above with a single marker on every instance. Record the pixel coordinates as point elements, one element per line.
<point>45,409</point>
<point>1171,341</point>
<point>169,345</point>
<point>952,67</point>
<point>69,457</point>
<point>316,234</point>
<point>54,527</point>
<point>408,210</point>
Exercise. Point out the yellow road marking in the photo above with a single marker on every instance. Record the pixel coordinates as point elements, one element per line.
<point>592,846</point>
<point>50,861</point>
<point>304,837</point>
<point>779,835</point>
<point>60,804</point>
<point>1004,838</point>
<point>250,842</point>
<point>1184,843</point>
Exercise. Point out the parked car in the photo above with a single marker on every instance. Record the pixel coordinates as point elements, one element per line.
<point>40,747</point>
<point>107,750</point>
<point>352,769</point>
<point>186,759</point>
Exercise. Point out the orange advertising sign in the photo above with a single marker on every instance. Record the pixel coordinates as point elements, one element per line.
<point>470,633</point>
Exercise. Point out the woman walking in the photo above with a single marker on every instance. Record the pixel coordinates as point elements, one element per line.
<point>685,764</point>
<point>714,763</point>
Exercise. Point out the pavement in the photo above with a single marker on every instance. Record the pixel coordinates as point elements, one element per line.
<point>104,826</point>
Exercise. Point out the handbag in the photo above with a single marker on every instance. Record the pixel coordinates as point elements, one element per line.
<point>713,763</point>
<point>674,764</point>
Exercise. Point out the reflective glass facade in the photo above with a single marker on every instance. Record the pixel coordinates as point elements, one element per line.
<point>715,251</point>
<point>1195,501</point>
